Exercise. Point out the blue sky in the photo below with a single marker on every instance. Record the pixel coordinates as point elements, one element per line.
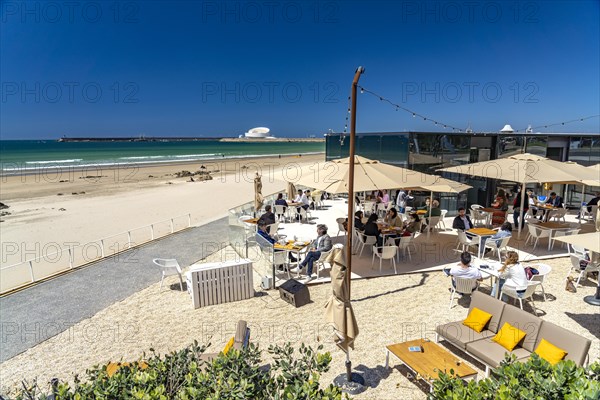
<point>211,68</point>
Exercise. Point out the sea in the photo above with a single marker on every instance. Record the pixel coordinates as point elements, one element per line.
<point>28,156</point>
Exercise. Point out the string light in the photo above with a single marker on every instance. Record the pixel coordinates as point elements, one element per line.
<point>546,126</point>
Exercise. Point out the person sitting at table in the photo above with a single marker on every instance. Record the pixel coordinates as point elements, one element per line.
<point>371,229</point>
<point>268,217</point>
<point>413,225</point>
<point>462,221</point>
<point>392,218</point>
<point>426,206</point>
<point>358,224</point>
<point>303,200</point>
<point>463,269</point>
<point>501,204</point>
<point>320,245</point>
<point>552,201</point>
<point>262,232</point>
<point>512,274</point>
<point>281,201</point>
<point>593,202</point>
<point>379,197</point>
<point>531,198</point>
<point>504,232</point>
<point>434,211</point>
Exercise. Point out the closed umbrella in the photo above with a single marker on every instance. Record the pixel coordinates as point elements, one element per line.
<point>291,191</point>
<point>258,197</point>
<point>339,313</point>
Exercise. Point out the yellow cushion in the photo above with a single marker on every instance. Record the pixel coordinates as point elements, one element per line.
<point>550,352</point>
<point>509,336</point>
<point>477,319</point>
<point>229,345</point>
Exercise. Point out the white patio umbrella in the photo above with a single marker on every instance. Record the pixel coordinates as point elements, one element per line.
<point>524,168</point>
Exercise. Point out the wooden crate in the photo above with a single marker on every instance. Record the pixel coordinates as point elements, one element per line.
<point>223,282</point>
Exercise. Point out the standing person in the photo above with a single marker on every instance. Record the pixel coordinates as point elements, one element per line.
<point>402,200</point>
<point>462,221</point>
<point>512,274</point>
<point>379,197</point>
<point>385,199</point>
<point>501,204</point>
<point>320,245</point>
<point>517,209</point>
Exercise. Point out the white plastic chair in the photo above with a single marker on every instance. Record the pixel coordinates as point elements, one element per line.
<point>302,214</point>
<point>590,267</point>
<point>476,206</point>
<point>462,286</point>
<point>491,244</point>
<point>404,245</point>
<point>280,211</point>
<point>579,251</point>
<point>385,253</point>
<point>512,292</point>
<point>444,212</point>
<point>368,207</point>
<point>537,234</point>
<point>432,222</point>
<point>464,242</point>
<point>584,213</point>
<point>477,216</point>
<point>272,228</point>
<point>559,214</point>
<point>365,240</point>
<point>543,271</point>
<point>320,263</point>
<point>169,267</point>
<point>340,222</point>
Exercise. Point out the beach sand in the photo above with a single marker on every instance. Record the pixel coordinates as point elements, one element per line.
<point>388,310</point>
<point>96,203</point>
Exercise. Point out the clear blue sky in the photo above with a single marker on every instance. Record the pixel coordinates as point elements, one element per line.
<point>219,68</point>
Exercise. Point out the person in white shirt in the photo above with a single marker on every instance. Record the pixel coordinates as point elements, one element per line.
<point>301,198</point>
<point>402,199</point>
<point>464,270</point>
<point>512,274</point>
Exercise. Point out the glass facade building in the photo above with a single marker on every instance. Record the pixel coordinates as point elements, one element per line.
<point>429,151</point>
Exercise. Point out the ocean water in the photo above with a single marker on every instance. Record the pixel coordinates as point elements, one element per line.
<point>23,156</point>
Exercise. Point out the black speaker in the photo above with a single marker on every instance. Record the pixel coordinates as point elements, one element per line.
<point>294,292</point>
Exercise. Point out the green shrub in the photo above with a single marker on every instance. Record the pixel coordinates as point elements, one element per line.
<point>183,375</point>
<point>534,379</point>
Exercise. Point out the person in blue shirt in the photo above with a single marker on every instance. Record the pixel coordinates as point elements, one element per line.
<point>504,231</point>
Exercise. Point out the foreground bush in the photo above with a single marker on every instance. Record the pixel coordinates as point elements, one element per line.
<point>183,375</point>
<point>534,379</point>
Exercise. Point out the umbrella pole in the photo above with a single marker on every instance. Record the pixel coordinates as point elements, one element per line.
<point>581,205</point>
<point>430,207</point>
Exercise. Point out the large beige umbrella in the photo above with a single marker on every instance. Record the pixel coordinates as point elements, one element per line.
<point>339,313</point>
<point>590,241</point>
<point>258,197</point>
<point>524,168</point>
<point>333,177</point>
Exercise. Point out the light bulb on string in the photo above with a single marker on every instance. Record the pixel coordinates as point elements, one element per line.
<point>414,115</point>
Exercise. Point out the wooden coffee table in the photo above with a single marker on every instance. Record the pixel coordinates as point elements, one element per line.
<point>430,362</point>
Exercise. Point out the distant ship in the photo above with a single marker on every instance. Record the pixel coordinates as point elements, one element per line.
<point>257,133</point>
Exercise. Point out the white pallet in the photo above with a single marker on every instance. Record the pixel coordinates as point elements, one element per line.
<point>216,283</point>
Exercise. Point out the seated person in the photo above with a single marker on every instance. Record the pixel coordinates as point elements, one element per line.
<point>320,245</point>
<point>593,202</point>
<point>513,274</point>
<point>434,211</point>
<point>413,225</point>
<point>554,201</point>
<point>462,221</point>
<point>426,206</point>
<point>301,198</point>
<point>358,224</point>
<point>504,231</point>
<point>392,218</point>
<point>268,217</point>
<point>371,229</point>
<point>464,270</point>
<point>262,232</point>
<point>281,201</point>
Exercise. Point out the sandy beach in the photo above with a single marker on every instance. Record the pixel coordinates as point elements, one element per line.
<point>94,203</point>
<point>385,309</point>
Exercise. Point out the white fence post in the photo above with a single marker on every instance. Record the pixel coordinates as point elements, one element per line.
<point>31,270</point>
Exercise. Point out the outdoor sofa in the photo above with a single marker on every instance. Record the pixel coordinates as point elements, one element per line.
<point>483,348</point>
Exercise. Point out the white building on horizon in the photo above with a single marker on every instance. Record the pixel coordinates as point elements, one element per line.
<point>257,133</point>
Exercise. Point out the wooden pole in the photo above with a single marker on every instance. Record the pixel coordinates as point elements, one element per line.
<point>357,75</point>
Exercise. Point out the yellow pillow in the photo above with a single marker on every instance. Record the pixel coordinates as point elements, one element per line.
<point>477,319</point>
<point>229,345</point>
<point>550,352</point>
<point>509,336</point>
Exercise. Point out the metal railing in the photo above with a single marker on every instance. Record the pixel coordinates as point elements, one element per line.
<point>42,267</point>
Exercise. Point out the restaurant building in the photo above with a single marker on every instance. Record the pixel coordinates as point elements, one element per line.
<point>429,151</point>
